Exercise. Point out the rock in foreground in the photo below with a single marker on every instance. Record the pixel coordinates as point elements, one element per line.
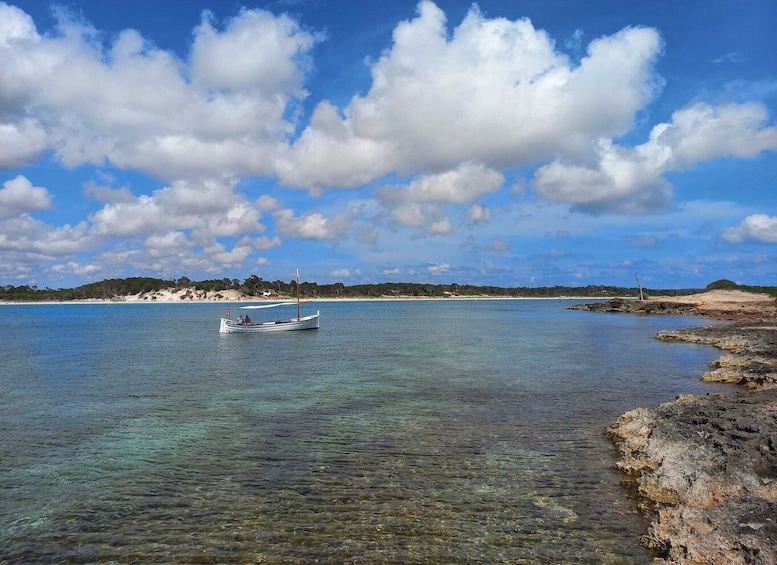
<point>707,465</point>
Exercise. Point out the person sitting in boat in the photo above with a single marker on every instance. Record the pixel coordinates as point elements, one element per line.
<point>240,320</point>
<point>247,320</point>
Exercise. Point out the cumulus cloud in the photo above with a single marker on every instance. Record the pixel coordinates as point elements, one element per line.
<point>340,273</point>
<point>311,225</point>
<point>140,107</point>
<point>498,245</point>
<point>440,227</point>
<point>458,186</point>
<point>514,99</point>
<point>25,239</point>
<point>107,194</point>
<point>419,203</point>
<point>478,213</point>
<point>438,268</point>
<point>449,106</point>
<point>165,245</point>
<point>632,180</point>
<point>74,268</point>
<point>20,142</point>
<point>757,227</point>
<point>210,208</point>
<point>19,196</point>
<point>265,243</point>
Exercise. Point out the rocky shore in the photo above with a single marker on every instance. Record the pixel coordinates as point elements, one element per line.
<point>705,467</point>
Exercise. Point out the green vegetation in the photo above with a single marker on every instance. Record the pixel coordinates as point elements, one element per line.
<point>256,286</point>
<point>724,284</point>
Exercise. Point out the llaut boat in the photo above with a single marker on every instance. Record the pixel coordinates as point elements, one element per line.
<point>244,324</point>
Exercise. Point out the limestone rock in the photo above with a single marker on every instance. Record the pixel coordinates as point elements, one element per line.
<point>706,466</point>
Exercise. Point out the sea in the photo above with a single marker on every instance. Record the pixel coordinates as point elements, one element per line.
<point>417,431</point>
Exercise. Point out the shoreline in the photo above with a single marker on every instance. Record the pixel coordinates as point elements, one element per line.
<point>703,468</point>
<point>293,300</point>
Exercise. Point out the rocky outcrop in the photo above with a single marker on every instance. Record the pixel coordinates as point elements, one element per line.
<point>706,466</point>
<point>732,305</point>
<point>751,358</point>
<point>632,306</point>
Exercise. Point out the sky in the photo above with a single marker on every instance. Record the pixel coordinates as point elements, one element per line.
<point>532,143</point>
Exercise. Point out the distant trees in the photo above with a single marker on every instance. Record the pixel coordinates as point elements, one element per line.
<point>256,286</point>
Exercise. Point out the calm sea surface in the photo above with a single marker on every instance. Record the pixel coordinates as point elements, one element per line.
<point>400,432</point>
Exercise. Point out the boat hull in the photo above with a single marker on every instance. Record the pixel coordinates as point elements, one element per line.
<point>305,323</point>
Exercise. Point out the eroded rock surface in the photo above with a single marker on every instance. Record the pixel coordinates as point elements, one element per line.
<point>751,358</point>
<point>707,466</point>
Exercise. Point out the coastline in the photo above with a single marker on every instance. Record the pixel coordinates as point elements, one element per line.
<point>170,298</point>
<point>704,467</point>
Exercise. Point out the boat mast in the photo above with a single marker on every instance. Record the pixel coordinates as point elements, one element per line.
<point>298,311</point>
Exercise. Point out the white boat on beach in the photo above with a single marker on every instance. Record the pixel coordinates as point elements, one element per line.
<point>244,324</point>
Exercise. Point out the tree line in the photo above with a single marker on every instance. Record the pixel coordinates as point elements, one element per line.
<point>256,286</point>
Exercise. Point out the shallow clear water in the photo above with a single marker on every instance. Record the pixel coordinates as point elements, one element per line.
<point>400,432</point>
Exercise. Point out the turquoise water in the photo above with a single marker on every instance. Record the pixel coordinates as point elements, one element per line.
<point>400,432</point>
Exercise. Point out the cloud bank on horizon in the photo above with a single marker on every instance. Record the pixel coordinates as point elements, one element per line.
<point>478,151</point>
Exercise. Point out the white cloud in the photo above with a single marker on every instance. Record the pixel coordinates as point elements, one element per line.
<point>165,245</point>
<point>340,273</point>
<point>514,98</point>
<point>418,203</point>
<point>256,52</point>
<point>632,181</point>
<point>478,213</point>
<point>19,196</point>
<point>758,227</point>
<point>218,253</point>
<point>20,142</point>
<point>265,243</point>
<point>142,107</point>
<point>438,268</point>
<point>459,186</point>
<point>440,227</point>
<point>498,245</point>
<point>106,194</point>
<point>210,208</point>
<point>267,203</point>
<point>312,225</point>
<point>73,268</point>
<point>30,239</point>
<point>410,215</point>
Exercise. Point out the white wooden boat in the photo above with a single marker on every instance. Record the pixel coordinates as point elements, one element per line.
<point>229,325</point>
<point>244,324</point>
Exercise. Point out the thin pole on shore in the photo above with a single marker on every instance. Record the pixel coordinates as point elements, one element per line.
<point>641,296</point>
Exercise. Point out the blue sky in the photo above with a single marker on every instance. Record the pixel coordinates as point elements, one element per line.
<point>532,143</point>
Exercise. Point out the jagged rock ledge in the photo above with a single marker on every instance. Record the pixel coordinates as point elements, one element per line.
<point>705,466</point>
<point>751,352</point>
<point>633,306</point>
